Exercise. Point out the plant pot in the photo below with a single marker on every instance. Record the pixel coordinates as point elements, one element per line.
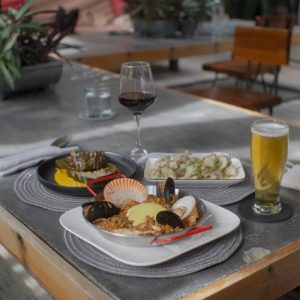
<point>188,28</point>
<point>33,78</point>
<point>155,28</point>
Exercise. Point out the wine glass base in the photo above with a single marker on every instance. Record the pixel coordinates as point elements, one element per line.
<point>137,153</point>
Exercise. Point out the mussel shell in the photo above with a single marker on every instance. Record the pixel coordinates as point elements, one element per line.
<point>83,161</point>
<point>100,209</point>
<point>168,218</point>
<point>169,189</point>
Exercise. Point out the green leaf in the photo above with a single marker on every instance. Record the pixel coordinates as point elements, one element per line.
<point>12,11</point>
<point>33,25</point>
<point>4,33</point>
<point>11,42</point>
<point>2,22</point>
<point>25,7</point>
<point>15,72</point>
<point>7,76</point>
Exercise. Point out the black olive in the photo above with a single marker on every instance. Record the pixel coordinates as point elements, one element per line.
<point>101,209</point>
<point>166,217</point>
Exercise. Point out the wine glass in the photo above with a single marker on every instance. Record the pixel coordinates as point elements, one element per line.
<point>136,93</point>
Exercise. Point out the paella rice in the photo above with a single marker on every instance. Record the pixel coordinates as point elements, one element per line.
<point>150,226</point>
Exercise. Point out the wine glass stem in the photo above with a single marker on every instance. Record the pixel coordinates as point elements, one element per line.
<point>138,131</point>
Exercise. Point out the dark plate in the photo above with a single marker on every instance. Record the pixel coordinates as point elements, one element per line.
<point>46,170</point>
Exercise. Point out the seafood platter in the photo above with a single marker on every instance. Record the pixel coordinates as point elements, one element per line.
<point>129,213</point>
<point>69,174</point>
<point>197,169</point>
<point>147,225</point>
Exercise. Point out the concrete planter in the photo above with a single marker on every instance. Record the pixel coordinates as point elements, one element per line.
<point>188,28</point>
<point>32,78</point>
<point>155,28</point>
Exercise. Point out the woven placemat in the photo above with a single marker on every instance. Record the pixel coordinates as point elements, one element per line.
<point>29,189</point>
<point>228,194</point>
<point>222,195</point>
<point>190,262</point>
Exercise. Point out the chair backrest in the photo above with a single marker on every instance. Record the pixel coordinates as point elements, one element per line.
<point>262,45</point>
<point>286,21</point>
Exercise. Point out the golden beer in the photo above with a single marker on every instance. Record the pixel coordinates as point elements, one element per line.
<point>269,147</point>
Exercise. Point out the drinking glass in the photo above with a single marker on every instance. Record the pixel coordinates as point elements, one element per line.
<point>269,148</point>
<point>136,93</point>
<point>97,103</point>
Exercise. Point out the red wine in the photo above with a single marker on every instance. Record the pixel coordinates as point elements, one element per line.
<point>136,101</point>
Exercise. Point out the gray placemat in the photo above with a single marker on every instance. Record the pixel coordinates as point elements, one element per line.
<point>230,194</point>
<point>190,262</point>
<point>223,195</point>
<point>29,189</point>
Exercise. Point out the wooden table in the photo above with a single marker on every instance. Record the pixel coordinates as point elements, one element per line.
<point>107,51</point>
<point>174,123</point>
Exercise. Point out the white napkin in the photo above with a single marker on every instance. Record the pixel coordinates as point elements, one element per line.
<point>11,164</point>
<point>291,178</point>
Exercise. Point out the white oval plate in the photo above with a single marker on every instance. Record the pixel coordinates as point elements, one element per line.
<point>222,220</point>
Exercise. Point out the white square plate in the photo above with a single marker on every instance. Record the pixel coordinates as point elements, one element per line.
<point>153,158</point>
<point>222,220</point>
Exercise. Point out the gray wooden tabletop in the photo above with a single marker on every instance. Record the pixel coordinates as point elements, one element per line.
<point>174,123</point>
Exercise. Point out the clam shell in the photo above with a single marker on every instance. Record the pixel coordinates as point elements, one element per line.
<point>121,190</point>
<point>184,206</point>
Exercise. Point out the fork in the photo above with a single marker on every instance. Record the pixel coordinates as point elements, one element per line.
<point>62,141</point>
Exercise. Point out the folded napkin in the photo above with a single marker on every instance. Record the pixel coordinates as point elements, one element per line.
<point>291,178</point>
<point>13,163</point>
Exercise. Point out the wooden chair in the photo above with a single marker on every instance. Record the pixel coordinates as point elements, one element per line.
<point>240,69</point>
<point>254,46</point>
<point>287,21</point>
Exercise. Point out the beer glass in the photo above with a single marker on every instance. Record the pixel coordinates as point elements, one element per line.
<point>269,147</point>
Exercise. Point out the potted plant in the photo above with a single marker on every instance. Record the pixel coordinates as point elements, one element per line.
<point>191,13</point>
<point>154,18</point>
<point>26,45</point>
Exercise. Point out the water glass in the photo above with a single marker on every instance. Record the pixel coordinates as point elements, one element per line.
<point>97,103</point>
<point>269,148</point>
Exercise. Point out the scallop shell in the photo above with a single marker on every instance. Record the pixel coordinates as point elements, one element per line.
<point>121,190</point>
<point>184,206</point>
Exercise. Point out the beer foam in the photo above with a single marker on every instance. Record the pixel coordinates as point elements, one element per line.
<point>270,129</point>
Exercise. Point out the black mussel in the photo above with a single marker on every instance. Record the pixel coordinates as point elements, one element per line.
<point>101,209</point>
<point>168,218</point>
<point>169,190</point>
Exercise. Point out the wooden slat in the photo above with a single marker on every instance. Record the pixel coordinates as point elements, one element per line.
<point>192,50</point>
<point>150,54</point>
<point>54,273</point>
<point>265,45</point>
<point>107,62</point>
<point>268,278</point>
<point>224,46</point>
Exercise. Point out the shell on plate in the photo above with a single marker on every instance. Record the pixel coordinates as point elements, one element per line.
<point>184,206</point>
<point>100,209</point>
<point>121,190</point>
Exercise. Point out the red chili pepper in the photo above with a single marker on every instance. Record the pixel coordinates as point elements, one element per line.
<point>104,178</point>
